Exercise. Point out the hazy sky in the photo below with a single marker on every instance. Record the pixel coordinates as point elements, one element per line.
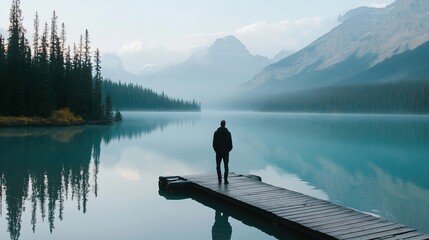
<point>166,30</point>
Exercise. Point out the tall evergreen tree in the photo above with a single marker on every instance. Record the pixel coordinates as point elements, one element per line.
<point>15,63</point>
<point>75,81</point>
<point>108,114</point>
<point>80,90</point>
<point>36,36</point>
<point>44,85</point>
<point>27,76</point>
<point>68,77</point>
<point>87,86</point>
<point>35,65</point>
<point>63,39</point>
<point>3,88</point>
<point>98,110</point>
<point>57,64</point>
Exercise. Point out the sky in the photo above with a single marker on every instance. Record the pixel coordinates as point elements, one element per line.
<point>159,32</point>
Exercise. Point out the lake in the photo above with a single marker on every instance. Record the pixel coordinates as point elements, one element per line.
<point>100,182</point>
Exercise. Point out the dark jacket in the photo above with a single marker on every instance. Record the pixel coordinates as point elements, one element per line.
<point>222,141</point>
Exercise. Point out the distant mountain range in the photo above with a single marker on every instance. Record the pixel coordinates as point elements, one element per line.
<point>364,48</point>
<point>369,46</point>
<point>113,68</point>
<point>210,75</point>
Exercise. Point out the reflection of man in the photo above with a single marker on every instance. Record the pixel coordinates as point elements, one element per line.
<point>221,229</point>
<point>222,145</point>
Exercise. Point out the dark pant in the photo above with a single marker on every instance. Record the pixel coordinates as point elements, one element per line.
<point>225,164</point>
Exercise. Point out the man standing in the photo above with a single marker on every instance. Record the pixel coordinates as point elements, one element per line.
<point>222,145</point>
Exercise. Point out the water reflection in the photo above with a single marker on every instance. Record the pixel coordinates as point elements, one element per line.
<point>372,163</point>
<point>221,229</point>
<point>48,166</point>
<point>51,168</point>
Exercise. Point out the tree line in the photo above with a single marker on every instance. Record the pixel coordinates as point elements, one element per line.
<point>391,97</point>
<point>50,75</point>
<point>135,97</point>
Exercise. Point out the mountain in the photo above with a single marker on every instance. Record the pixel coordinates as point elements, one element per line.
<point>399,84</point>
<point>365,37</point>
<point>411,65</point>
<point>282,54</point>
<point>113,68</point>
<point>210,75</point>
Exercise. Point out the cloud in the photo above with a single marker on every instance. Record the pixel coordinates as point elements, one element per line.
<point>130,174</point>
<point>194,41</point>
<point>132,47</point>
<point>137,55</point>
<point>375,4</point>
<point>269,38</point>
<point>263,38</point>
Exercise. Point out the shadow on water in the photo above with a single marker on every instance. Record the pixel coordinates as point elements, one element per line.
<point>222,229</point>
<point>48,166</point>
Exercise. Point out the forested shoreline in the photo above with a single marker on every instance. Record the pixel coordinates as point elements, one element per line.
<point>408,97</point>
<point>50,75</point>
<point>48,79</point>
<point>128,96</point>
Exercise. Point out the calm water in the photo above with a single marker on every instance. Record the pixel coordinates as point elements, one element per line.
<point>100,182</point>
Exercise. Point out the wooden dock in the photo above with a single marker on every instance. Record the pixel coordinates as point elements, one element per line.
<point>318,218</point>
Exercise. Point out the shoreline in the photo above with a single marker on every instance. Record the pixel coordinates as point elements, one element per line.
<point>17,122</point>
<point>9,121</point>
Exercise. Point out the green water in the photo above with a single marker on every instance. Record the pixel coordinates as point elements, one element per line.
<point>100,182</point>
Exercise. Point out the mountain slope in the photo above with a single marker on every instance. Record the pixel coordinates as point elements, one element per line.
<point>411,65</point>
<point>209,75</point>
<point>399,84</point>
<point>365,37</point>
<point>112,68</point>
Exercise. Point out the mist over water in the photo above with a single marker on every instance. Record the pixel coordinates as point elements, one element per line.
<point>100,182</point>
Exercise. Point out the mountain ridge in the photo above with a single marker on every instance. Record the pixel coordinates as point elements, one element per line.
<point>366,35</point>
<point>220,68</point>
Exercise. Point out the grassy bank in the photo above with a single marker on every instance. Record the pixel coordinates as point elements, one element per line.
<point>62,117</point>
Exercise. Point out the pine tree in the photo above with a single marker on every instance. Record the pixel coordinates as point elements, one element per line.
<point>118,116</point>
<point>35,66</point>
<point>2,76</point>
<point>44,85</point>
<point>98,111</point>
<point>75,82</point>
<point>57,65</point>
<point>27,76</point>
<point>108,115</point>
<point>68,77</point>
<point>15,62</point>
<point>87,84</point>
<point>36,36</point>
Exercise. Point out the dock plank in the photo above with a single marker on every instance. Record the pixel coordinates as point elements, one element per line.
<point>408,236</point>
<point>351,224</point>
<point>382,235</point>
<point>318,218</point>
<point>363,228</point>
<point>340,221</point>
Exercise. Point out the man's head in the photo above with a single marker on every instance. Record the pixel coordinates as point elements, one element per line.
<point>222,123</point>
